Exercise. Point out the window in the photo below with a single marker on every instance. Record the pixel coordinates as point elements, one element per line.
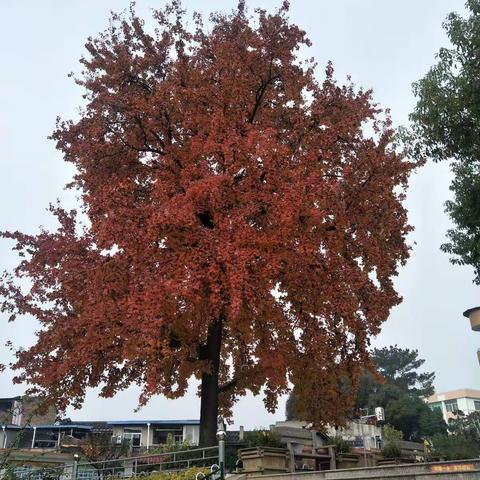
<point>161,435</point>
<point>436,406</point>
<point>133,435</point>
<point>477,404</point>
<point>451,406</point>
<point>17,413</point>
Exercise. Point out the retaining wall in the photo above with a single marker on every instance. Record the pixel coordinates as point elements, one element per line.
<point>454,470</point>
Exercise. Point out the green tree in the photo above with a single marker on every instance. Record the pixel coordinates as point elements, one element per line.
<point>400,392</point>
<point>446,123</point>
<point>290,413</point>
<point>414,418</point>
<point>467,425</point>
<point>454,447</point>
<point>463,440</point>
<point>400,367</point>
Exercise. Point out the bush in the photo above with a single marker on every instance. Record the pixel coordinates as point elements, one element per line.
<point>341,445</point>
<point>391,450</point>
<point>189,474</point>
<point>171,446</point>
<point>454,447</point>
<point>392,438</point>
<point>263,438</point>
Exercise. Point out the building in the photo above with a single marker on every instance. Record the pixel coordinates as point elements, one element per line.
<point>31,465</point>
<point>25,410</point>
<point>143,434</point>
<point>41,436</point>
<point>359,434</point>
<point>465,400</point>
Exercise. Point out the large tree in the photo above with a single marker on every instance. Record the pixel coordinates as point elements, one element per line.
<point>400,390</point>
<point>399,387</point>
<point>446,127</point>
<point>241,226</point>
<point>463,440</point>
<point>400,367</point>
<point>414,418</point>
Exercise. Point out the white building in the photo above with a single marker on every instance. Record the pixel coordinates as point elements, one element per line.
<point>152,433</point>
<point>358,434</point>
<point>465,400</point>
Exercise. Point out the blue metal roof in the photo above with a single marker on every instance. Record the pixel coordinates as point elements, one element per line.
<point>67,426</point>
<point>154,422</point>
<point>50,427</point>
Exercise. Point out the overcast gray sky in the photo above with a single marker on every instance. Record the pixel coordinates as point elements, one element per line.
<point>382,44</point>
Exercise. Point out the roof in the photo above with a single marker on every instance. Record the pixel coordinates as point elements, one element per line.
<point>10,399</point>
<point>155,422</point>
<point>454,394</point>
<point>48,427</point>
<point>97,425</point>
<point>40,456</point>
<point>65,427</point>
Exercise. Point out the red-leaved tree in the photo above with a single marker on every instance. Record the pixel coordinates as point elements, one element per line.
<point>241,225</point>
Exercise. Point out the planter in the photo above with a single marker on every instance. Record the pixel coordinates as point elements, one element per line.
<point>264,460</point>
<point>347,460</point>
<point>383,462</point>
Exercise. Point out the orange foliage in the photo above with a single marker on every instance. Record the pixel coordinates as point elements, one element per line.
<point>221,180</point>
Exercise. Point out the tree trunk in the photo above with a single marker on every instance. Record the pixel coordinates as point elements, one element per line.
<point>210,391</point>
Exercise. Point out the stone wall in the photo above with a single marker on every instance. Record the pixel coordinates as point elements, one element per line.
<point>455,470</point>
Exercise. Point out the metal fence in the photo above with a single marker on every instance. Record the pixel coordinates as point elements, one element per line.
<point>125,467</point>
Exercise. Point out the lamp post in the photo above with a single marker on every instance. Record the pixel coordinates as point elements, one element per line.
<point>221,436</point>
<point>473,314</point>
<point>76,457</point>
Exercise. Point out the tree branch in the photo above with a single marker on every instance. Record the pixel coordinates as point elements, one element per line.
<point>228,385</point>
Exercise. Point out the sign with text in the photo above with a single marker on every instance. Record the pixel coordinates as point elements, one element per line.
<point>457,467</point>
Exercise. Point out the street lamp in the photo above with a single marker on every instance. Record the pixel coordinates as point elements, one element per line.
<point>221,436</point>
<point>76,458</point>
<point>473,314</point>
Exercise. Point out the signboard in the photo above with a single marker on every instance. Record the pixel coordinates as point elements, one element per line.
<point>457,467</point>
<point>358,442</point>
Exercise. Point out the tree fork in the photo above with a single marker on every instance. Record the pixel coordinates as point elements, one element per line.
<point>210,387</point>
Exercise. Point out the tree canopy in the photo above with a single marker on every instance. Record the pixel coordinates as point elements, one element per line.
<point>445,127</point>
<point>242,227</point>
<point>414,418</point>
<point>463,440</point>
<point>399,387</point>
<point>400,390</point>
<point>399,367</point>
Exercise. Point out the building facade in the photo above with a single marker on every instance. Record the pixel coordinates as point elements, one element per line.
<point>144,434</point>
<point>449,403</point>
<point>24,410</point>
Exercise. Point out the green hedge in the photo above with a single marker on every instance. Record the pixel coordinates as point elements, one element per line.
<point>189,474</point>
